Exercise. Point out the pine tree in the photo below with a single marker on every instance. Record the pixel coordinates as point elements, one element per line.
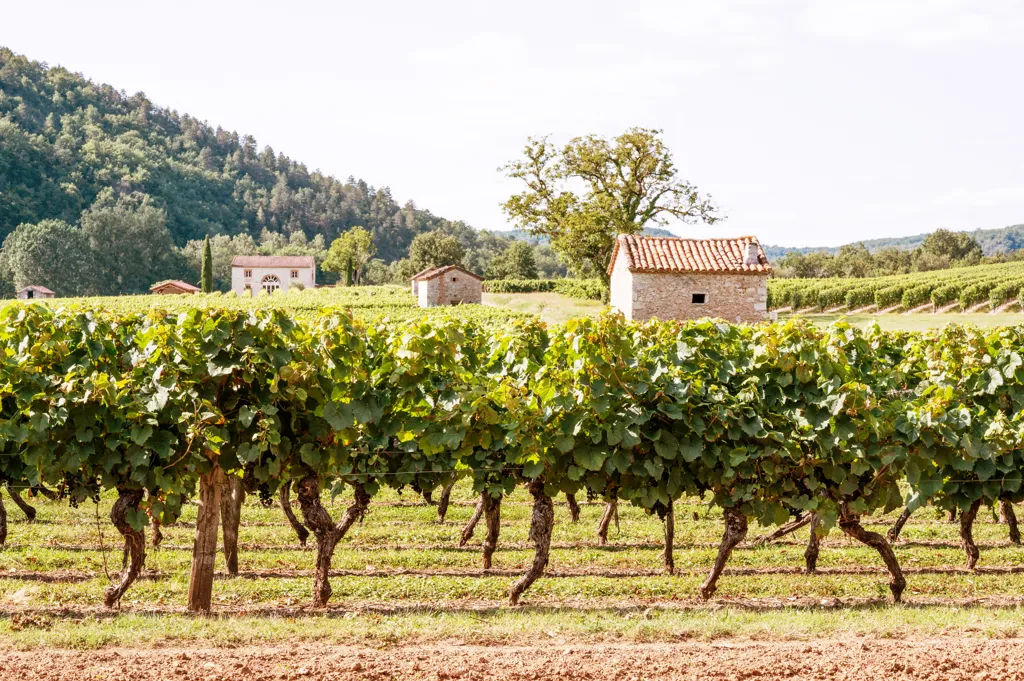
<point>206,282</point>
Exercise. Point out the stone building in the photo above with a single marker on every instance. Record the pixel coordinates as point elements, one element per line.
<point>449,285</point>
<point>270,273</point>
<point>673,278</point>
<point>34,292</point>
<point>173,287</point>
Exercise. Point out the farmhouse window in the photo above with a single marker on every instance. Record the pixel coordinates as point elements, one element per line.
<point>247,274</point>
<point>699,298</point>
<point>295,274</point>
<point>455,279</point>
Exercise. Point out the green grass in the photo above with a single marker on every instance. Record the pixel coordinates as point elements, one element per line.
<point>552,308</point>
<point>401,576</point>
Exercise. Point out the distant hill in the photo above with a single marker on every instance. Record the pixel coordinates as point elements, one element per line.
<point>64,139</point>
<point>523,235</point>
<point>992,241</point>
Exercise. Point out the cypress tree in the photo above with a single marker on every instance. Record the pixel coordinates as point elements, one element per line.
<point>206,282</point>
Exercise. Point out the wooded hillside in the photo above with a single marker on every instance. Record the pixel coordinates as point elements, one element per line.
<point>64,139</point>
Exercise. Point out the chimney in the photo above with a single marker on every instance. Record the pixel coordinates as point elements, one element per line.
<point>751,257</point>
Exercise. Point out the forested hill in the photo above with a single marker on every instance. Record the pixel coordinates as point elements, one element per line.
<point>992,242</point>
<point>64,139</point>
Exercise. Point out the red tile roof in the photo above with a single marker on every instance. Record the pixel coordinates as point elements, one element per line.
<point>438,271</point>
<point>672,254</point>
<point>176,283</point>
<point>37,289</point>
<point>273,261</point>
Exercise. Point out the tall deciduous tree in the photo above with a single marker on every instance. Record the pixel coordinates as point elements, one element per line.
<point>131,245</point>
<point>627,183</point>
<point>435,249</point>
<point>350,253</point>
<point>516,262</point>
<point>206,280</point>
<point>50,253</point>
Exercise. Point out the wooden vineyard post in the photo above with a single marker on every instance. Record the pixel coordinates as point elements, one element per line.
<point>204,550</point>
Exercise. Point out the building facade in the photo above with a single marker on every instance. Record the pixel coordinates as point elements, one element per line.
<point>34,293</point>
<point>673,278</point>
<point>449,285</point>
<point>272,273</point>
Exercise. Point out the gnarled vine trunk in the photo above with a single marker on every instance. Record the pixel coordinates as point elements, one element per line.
<point>327,532</point>
<point>492,516</point>
<point>3,521</point>
<point>813,544</point>
<point>444,501</point>
<point>735,531</point>
<point>783,530</point>
<point>574,507</point>
<point>26,508</point>
<point>952,516</point>
<point>611,511</point>
<point>231,501</point>
<point>45,491</point>
<point>540,534</point>
<point>428,496</point>
<point>204,547</point>
<point>284,497</point>
<point>894,532</point>
<point>158,536</point>
<point>967,535</point>
<point>467,531</point>
<point>1010,518</point>
<point>134,544</point>
<point>849,523</point>
<point>670,537</point>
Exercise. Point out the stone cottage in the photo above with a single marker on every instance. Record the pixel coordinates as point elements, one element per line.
<point>34,292</point>
<point>270,273</point>
<point>174,287</point>
<point>448,285</point>
<point>673,278</point>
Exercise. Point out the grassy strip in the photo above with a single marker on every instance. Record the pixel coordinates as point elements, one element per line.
<point>508,626</point>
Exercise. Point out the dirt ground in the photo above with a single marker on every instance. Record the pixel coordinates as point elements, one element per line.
<point>933,659</point>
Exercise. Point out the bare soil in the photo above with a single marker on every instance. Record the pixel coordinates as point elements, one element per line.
<point>931,659</point>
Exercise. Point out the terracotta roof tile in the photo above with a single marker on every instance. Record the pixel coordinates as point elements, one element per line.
<point>437,271</point>
<point>672,254</point>
<point>273,261</point>
<point>37,289</point>
<point>177,283</point>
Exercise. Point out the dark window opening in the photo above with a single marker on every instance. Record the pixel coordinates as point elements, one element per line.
<point>31,294</point>
<point>699,298</point>
<point>455,278</point>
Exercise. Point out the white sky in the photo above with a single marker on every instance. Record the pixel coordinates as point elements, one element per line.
<point>812,122</point>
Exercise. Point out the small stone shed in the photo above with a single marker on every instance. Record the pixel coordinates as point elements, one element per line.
<point>174,287</point>
<point>673,278</point>
<point>448,285</point>
<point>34,292</point>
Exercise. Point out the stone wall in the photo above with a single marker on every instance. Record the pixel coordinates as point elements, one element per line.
<point>620,289</point>
<point>450,288</point>
<point>732,297</point>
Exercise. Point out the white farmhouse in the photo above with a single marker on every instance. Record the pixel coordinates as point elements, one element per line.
<point>269,273</point>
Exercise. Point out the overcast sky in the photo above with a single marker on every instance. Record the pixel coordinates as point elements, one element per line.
<point>811,123</point>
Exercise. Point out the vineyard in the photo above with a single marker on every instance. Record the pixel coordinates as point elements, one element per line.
<point>174,417</point>
<point>981,287</point>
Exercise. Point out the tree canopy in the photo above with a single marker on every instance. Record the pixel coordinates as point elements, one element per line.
<point>627,183</point>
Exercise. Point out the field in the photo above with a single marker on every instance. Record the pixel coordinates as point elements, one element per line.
<point>406,593</point>
<point>410,602</point>
<point>964,289</point>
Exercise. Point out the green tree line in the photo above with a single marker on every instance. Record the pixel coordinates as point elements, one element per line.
<point>81,162</point>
